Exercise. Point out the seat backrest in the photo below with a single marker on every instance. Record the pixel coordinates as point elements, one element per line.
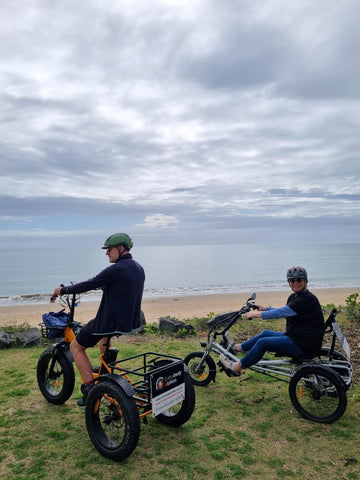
<point>326,329</point>
<point>329,322</point>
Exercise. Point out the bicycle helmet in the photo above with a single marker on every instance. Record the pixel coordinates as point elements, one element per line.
<point>118,239</point>
<point>296,272</point>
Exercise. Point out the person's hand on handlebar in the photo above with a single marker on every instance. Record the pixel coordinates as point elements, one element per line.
<point>255,313</point>
<point>55,294</point>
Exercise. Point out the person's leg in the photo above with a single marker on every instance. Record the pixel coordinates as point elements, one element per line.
<point>102,344</point>
<point>237,367</point>
<point>84,339</point>
<point>266,341</point>
<point>82,361</point>
<point>279,343</point>
<point>246,346</point>
<point>249,344</point>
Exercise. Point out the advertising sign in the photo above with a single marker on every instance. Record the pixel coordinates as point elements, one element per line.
<point>167,387</point>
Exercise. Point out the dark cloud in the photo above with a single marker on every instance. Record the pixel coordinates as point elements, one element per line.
<point>206,120</point>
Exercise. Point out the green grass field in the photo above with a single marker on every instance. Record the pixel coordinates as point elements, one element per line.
<point>241,428</point>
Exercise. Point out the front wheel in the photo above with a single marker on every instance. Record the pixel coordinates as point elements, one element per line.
<point>112,420</point>
<point>202,369</point>
<point>318,394</point>
<point>55,376</point>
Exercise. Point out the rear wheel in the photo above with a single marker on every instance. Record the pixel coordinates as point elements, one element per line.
<point>55,376</point>
<point>182,411</point>
<point>112,421</point>
<point>318,393</point>
<point>202,369</point>
<point>325,353</point>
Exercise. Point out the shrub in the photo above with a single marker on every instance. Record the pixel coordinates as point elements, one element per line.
<point>353,307</point>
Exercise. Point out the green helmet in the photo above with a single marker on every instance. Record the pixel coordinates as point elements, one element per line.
<point>119,239</point>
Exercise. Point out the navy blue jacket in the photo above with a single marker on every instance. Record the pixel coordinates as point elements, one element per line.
<point>122,284</point>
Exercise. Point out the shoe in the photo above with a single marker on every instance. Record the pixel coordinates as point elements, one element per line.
<point>228,365</point>
<point>82,401</point>
<point>230,343</point>
<point>85,389</point>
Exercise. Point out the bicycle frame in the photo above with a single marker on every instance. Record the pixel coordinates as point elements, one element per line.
<point>119,370</point>
<point>284,368</point>
<point>124,391</point>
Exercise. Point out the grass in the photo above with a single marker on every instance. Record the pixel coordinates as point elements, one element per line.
<point>240,428</point>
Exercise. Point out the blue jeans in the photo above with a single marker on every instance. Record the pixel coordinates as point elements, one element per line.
<point>267,341</point>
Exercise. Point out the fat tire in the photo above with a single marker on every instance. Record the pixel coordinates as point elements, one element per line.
<point>180,413</point>
<point>112,420</point>
<point>207,371</point>
<point>332,391</point>
<point>56,386</point>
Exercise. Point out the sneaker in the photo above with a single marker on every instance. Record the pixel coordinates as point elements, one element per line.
<point>230,343</point>
<point>85,389</point>
<point>228,365</point>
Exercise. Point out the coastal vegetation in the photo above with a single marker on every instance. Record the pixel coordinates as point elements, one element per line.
<point>241,427</point>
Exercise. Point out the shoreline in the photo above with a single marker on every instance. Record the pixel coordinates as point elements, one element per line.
<point>181,307</point>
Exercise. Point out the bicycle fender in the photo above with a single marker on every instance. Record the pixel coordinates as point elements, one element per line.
<point>318,368</point>
<point>121,381</point>
<point>68,355</point>
<point>62,349</point>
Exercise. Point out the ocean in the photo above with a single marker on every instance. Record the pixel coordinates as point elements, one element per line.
<point>29,276</point>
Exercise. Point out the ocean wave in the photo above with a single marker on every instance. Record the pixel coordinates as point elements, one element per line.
<point>44,298</point>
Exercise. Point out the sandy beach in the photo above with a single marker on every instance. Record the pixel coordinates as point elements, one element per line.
<point>180,307</point>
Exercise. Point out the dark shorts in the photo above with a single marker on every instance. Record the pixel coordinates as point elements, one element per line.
<point>86,338</point>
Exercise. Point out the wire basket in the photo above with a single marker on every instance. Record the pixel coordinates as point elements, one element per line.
<point>56,332</point>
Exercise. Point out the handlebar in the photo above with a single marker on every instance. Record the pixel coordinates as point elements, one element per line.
<point>66,302</point>
<point>250,305</point>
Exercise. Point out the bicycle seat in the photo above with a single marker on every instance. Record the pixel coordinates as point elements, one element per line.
<point>298,358</point>
<point>302,358</point>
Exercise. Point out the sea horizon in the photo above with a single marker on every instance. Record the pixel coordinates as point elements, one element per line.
<point>30,276</point>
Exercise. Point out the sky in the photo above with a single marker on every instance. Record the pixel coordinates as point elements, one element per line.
<point>179,122</point>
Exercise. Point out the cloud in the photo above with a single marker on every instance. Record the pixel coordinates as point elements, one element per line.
<point>159,221</point>
<point>212,115</point>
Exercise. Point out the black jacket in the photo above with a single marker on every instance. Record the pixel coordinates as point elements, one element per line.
<point>122,284</point>
<point>307,327</point>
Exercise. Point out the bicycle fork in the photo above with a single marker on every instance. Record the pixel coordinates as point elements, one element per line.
<point>215,347</point>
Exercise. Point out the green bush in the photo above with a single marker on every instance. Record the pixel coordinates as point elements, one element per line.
<point>353,307</point>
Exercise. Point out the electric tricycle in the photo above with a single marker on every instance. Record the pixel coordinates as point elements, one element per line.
<point>318,383</point>
<point>125,391</point>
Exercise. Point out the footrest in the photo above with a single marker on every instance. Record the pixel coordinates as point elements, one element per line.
<point>228,372</point>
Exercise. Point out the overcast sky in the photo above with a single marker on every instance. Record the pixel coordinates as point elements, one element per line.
<point>217,121</point>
